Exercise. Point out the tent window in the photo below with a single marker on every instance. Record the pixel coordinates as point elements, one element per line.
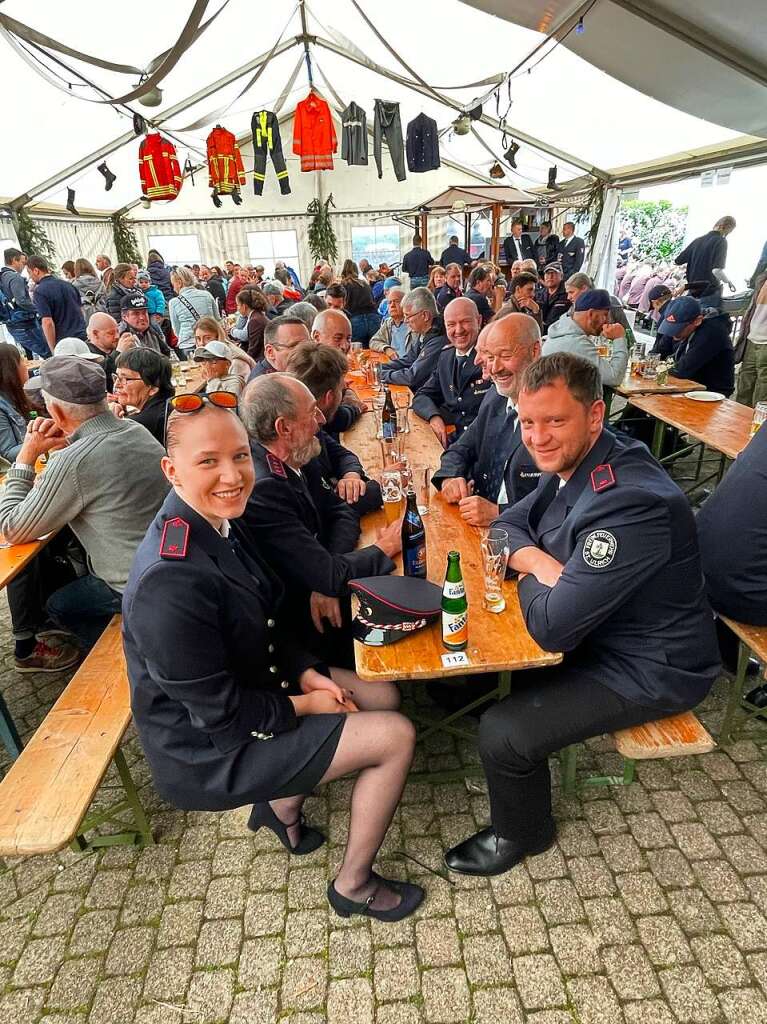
<point>266,247</point>
<point>481,230</point>
<point>176,249</point>
<point>378,243</point>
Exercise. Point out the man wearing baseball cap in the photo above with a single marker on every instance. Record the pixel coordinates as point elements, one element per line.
<point>556,303</point>
<point>701,345</point>
<point>103,481</point>
<point>577,333</point>
<point>134,308</point>
<point>215,358</point>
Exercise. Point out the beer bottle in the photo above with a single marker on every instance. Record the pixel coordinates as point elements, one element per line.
<point>388,418</point>
<point>455,633</point>
<point>413,539</point>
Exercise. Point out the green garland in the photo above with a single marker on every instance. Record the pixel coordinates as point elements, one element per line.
<point>126,243</point>
<point>321,238</point>
<point>32,237</point>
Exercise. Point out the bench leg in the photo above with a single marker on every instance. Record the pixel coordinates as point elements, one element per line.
<point>140,835</point>
<point>735,695</point>
<point>568,763</point>
<point>9,735</point>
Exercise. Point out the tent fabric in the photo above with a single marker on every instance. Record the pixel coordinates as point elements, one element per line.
<point>554,103</point>
<point>707,58</point>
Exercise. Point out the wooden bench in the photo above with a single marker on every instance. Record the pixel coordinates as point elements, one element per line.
<point>46,794</point>
<point>677,736</point>
<point>752,641</point>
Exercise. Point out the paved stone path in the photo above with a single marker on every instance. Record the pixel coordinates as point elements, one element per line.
<point>650,910</point>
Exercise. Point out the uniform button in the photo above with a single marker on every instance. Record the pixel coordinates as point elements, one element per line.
<point>284,684</point>
<point>270,623</point>
<point>270,648</point>
<point>273,669</point>
<point>459,399</point>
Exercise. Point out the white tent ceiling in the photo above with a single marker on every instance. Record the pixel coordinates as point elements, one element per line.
<point>707,58</point>
<point>567,103</point>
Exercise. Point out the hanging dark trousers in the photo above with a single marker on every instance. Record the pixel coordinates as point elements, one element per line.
<point>266,139</point>
<point>387,125</point>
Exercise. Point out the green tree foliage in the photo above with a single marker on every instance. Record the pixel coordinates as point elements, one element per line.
<point>658,228</point>
<point>321,237</point>
<point>126,243</point>
<point>32,237</point>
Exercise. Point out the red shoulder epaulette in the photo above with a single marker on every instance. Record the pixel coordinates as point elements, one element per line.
<point>175,538</point>
<point>602,478</point>
<point>276,466</point>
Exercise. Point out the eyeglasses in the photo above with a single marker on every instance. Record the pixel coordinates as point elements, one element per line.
<point>122,379</point>
<point>194,402</point>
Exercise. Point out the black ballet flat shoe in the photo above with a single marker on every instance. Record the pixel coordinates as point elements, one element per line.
<point>310,839</point>
<point>757,697</point>
<point>489,854</point>
<point>411,897</point>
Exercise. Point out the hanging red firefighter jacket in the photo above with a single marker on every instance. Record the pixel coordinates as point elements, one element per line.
<point>159,168</point>
<point>314,135</point>
<point>226,172</point>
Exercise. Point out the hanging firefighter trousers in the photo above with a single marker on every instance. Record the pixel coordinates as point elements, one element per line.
<point>266,139</point>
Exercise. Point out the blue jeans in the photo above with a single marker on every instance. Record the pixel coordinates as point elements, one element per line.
<point>419,282</point>
<point>29,334</point>
<point>364,326</point>
<point>84,608</point>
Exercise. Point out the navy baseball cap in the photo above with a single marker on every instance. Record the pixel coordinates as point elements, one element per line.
<point>679,314</point>
<point>659,291</point>
<point>594,298</point>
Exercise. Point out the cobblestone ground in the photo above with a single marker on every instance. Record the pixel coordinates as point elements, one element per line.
<point>650,909</point>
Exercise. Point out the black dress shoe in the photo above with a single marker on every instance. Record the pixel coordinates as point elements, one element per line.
<point>309,839</point>
<point>489,854</point>
<point>757,697</point>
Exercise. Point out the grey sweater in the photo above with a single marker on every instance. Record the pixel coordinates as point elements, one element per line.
<point>107,485</point>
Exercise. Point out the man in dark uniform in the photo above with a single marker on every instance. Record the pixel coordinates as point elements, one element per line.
<point>305,531</point>
<point>454,254</point>
<point>488,467</point>
<point>453,393</point>
<point>322,369</point>
<point>610,574</point>
<point>572,250</point>
<point>702,348</point>
<point>281,336</point>
<point>555,302</point>
<point>518,246</point>
<point>425,340</point>
<point>416,263</point>
<point>333,327</point>
<point>546,247</point>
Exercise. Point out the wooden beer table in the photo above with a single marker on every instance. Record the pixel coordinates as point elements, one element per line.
<point>497,642</point>
<point>639,386</point>
<point>724,426</point>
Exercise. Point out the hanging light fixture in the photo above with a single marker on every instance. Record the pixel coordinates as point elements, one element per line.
<point>459,206</point>
<point>462,125</point>
<point>152,97</point>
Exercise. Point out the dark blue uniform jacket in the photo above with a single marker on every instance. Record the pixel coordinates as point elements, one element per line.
<point>489,451</point>
<point>454,391</point>
<point>630,603</point>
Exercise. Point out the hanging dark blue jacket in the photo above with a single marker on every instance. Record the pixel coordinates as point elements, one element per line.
<point>422,145</point>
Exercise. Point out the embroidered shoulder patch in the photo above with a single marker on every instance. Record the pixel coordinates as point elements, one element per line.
<point>276,466</point>
<point>175,538</point>
<point>599,549</point>
<point>602,478</point>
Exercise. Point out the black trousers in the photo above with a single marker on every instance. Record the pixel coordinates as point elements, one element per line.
<point>261,149</point>
<point>547,710</point>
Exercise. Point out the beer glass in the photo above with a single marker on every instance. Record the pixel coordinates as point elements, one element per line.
<point>650,371</point>
<point>402,404</point>
<point>373,375</point>
<point>391,453</point>
<point>494,546</point>
<point>391,491</point>
<point>760,415</point>
<point>354,355</point>
<point>603,347</point>
<point>422,483</point>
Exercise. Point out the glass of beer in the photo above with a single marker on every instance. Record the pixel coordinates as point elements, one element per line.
<point>391,490</point>
<point>603,348</point>
<point>494,546</point>
<point>354,355</point>
<point>422,481</point>
<point>760,415</point>
<point>373,375</point>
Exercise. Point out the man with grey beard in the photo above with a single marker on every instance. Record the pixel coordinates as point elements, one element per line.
<point>304,530</point>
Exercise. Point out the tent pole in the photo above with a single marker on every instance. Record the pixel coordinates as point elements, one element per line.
<point>495,240</point>
<point>544,147</point>
<point>118,143</point>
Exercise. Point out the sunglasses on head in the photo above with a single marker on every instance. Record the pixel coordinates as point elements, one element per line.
<point>194,402</point>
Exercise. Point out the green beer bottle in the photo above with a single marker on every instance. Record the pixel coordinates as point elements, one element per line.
<point>455,631</point>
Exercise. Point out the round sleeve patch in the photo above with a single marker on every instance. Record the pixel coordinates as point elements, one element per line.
<point>599,549</point>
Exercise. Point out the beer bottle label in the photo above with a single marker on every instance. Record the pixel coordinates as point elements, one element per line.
<point>415,560</point>
<point>453,590</point>
<point>388,430</point>
<point>455,629</point>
